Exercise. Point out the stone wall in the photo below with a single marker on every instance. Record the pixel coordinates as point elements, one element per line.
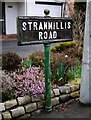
<point>27,106</point>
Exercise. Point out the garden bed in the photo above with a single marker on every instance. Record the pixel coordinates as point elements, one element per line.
<point>23,83</point>
<point>28,105</point>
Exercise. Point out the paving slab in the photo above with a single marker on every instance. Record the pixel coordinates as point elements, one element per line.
<point>75,110</point>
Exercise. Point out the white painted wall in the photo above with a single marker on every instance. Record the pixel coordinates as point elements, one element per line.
<point>21,8</point>
<point>38,9</point>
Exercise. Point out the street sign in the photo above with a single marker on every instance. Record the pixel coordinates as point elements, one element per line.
<point>40,30</point>
<point>44,30</point>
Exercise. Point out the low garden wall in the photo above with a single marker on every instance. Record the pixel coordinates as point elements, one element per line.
<point>27,106</point>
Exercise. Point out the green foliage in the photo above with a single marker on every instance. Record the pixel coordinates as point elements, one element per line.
<point>80,6</point>
<point>59,74</point>
<point>10,61</point>
<point>75,71</point>
<point>26,63</point>
<point>62,46</point>
<point>73,49</point>
<point>8,95</point>
<point>6,84</point>
<point>37,59</point>
<point>79,20</point>
<point>16,84</point>
<point>59,67</point>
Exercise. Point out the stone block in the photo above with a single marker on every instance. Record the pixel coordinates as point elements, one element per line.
<point>64,98</point>
<point>37,97</point>
<point>64,89</point>
<point>2,107</point>
<point>17,111</point>
<point>56,92</point>
<point>75,94</point>
<point>55,101</point>
<point>10,103</point>
<point>30,107</point>
<point>24,100</point>
<point>74,88</point>
<point>24,117</point>
<point>6,115</point>
<point>41,104</point>
<point>52,94</point>
<point>36,112</point>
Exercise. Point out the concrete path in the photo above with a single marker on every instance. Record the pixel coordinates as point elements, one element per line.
<point>76,110</point>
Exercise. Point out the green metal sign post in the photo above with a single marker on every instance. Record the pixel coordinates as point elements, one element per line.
<point>48,106</point>
<point>47,77</point>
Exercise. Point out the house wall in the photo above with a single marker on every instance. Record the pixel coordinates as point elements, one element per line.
<point>21,8</point>
<point>29,8</point>
<point>38,10</point>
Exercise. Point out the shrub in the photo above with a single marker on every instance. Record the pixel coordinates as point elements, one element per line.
<point>29,81</point>
<point>62,46</point>
<point>72,49</point>
<point>15,84</point>
<point>6,84</point>
<point>75,71</point>
<point>60,64</point>
<point>26,63</point>
<point>78,24</point>
<point>10,61</point>
<point>37,59</point>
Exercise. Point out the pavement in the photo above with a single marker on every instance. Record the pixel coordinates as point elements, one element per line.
<point>76,111</point>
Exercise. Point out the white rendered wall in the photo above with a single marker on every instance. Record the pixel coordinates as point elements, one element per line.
<point>21,8</point>
<point>38,10</point>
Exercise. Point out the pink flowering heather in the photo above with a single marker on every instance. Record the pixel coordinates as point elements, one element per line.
<point>31,81</point>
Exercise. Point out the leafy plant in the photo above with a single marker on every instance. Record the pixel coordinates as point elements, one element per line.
<point>37,59</point>
<point>6,83</point>
<point>26,63</point>
<point>60,47</point>
<point>75,71</point>
<point>10,61</point>
<point>59,74</point>
<point>59,67</point>
<point>73,49</point>
<point>29,81</point>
